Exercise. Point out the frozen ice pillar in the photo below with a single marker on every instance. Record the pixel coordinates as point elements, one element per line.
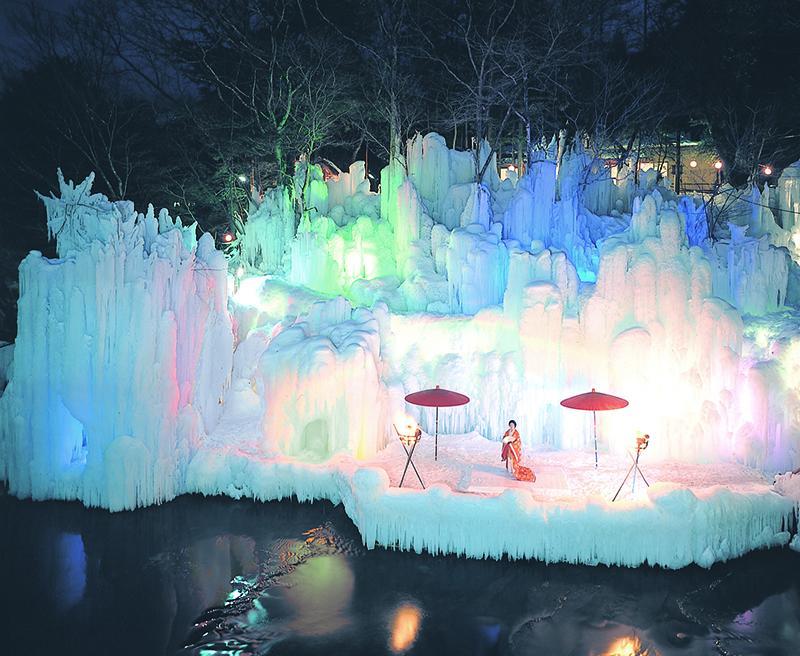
<point>123,353</point>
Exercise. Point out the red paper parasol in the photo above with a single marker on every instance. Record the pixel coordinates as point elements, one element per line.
<point>437,398</point>
<point>594,401</point>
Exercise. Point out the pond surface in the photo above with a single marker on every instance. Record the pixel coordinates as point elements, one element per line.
<point>216,576</point>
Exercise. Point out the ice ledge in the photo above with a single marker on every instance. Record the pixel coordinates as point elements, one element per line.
<point>670,526</point>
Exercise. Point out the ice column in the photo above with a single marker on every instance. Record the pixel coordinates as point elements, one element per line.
<point>123,355</point>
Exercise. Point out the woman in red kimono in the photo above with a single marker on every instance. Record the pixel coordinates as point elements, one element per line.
<point>512,453</point>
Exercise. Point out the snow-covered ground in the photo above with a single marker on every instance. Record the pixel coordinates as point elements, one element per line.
<point>471,463</point>
<point>471,506</point>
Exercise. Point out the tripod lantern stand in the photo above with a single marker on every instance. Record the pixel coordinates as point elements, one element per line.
<point>641,444</point>
<point>409,438</point>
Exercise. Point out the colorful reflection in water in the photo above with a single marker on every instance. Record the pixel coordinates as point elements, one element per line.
<point>319,594</point>
<point>70,579</point>
<point>216,576</point>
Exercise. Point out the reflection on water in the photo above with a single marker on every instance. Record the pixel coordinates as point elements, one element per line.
<point>405,626</point>
<point>319,595</point>
<point>69,579</point>
<point>628,646</point>
<point>214,576</point>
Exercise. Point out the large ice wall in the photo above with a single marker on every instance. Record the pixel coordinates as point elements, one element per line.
<point>517,293</point>
<point>477,268</point>
<point>749,273</point>
<point>122,356</point>
<point>394,245</point>
<point>350,190</point>
<point>529,214</point>
<point>586,177</point>
<point>577,282</point>
<point>650,329</point>
<point>434,168</point>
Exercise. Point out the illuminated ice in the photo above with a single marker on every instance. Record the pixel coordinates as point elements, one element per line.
<point>122,357</point>
<point>143,371</point>
<point>321,386</point>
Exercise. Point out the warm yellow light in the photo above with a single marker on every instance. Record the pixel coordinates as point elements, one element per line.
<point>767,170</point>
<point>406,428</point>
<point>227,237</point>
<point>718,165</point>
<point>405,627</point>
<point>627,646</point>
<point>693,163</point>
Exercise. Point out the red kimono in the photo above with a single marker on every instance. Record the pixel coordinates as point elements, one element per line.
<point>512,453</point>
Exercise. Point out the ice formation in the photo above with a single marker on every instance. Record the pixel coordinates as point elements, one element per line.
<point>321,386</point>
<point>668,525</point>
<point>122,357</point>
<point>137,376</point>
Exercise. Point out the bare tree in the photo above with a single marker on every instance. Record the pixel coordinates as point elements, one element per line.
<point>390,89</point>
<point>478,40</point>
<point>265,91</point>
<point>537,64</point>
<point>322,105</point>
<point>92,111</point>
<point>746,137</point>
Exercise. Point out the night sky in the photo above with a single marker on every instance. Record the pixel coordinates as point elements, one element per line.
<point>9,40</point>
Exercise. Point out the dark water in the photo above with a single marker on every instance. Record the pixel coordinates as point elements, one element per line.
<point>214,576</point>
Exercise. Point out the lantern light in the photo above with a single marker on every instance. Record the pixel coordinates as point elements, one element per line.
<point>511,167</point>
<point>718,165</point>
<point>227,237</point>
<point>408,431</point>
<point>693,163</point>
<point>767,170</point>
